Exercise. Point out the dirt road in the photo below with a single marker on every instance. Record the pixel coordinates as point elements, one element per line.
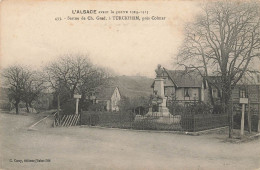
<point>93,148</point>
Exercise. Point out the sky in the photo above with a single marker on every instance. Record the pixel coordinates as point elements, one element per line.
<point>30,35</point>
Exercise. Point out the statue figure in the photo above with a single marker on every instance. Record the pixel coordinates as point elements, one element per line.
<point>159,71</point>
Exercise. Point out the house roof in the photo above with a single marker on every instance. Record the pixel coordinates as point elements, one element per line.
<point>132,86</point>
<point>253,79</point>
<point>105,93</point>
<point>184,78</point>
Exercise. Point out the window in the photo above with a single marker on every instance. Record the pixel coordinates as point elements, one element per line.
<point>214,93</point>
<point>242,93</point>
<point>186,92</point>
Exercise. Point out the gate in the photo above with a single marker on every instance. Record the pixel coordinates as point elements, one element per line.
<point>66,120</point>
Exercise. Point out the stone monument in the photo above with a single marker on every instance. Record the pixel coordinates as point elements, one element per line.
<point>162,115</point>
<point>159,90</point>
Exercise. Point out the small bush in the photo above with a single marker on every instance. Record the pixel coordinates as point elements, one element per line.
<point>98,107</point>
<point>109,119</point>
<point>93,119</point>
<point>237,121</point>
<point>218,109</point>
<point>69,107</point>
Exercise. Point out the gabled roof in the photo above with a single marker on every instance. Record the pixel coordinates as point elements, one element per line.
<point>185,78</point>
<point>132,86</point>
<point>105,93</point>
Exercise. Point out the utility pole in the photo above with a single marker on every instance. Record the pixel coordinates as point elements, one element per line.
<point>77,96</point>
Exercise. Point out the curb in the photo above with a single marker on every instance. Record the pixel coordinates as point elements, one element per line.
<point>33,129</point>
<point>157,131</point>
<point>255,136</point>
<point>239,140</point>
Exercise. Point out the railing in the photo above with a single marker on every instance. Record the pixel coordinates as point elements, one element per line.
<point>189,122</point>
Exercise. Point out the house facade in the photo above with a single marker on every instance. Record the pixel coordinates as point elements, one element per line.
<point>109,96</point>
<point>246,88</point>
<point>187,86</point>
<point>184,86</point>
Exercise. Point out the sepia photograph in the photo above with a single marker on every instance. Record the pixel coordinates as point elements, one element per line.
<point>130,85</point>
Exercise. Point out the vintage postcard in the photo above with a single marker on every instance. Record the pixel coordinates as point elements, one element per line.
<point>142,85</point>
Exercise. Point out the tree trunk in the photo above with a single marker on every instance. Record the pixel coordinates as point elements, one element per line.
<point>228,110</point>
<point>226,104</point>
<point>27,107</point>
<point>16,107</point>
<point>211,96</point>
<point>58,112</point>
<point>30,104</point>
<point>258,128</point>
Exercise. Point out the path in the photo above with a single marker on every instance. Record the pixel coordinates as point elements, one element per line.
<point>93,148</point>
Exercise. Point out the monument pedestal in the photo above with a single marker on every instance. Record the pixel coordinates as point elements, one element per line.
<point>163,115</point>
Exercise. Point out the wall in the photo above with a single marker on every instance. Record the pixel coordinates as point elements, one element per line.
<point>168,91</point>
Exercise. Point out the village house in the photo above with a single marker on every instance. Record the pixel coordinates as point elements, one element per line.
<point>109,96</point>
<point>184,86</point>
<point>247,87</point>
<point>187,86</point>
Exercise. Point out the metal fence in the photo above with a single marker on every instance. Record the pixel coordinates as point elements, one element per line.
<point>188,122</point>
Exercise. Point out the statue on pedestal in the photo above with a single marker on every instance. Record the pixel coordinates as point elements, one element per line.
<point>159,71</point>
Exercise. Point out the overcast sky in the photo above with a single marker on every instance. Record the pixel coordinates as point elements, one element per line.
<point>30,35</point>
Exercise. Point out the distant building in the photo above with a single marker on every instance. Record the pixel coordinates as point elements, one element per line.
<point>109,96</point>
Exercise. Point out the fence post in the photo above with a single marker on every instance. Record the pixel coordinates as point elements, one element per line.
<point>194,126</point>
<point>249,117</point>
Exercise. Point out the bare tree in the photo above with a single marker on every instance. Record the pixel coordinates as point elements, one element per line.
<point>33,88</point>
<point>223,41</point>
<point>74,74</point>
<point>69,70</point>
<point>16,78</point>
<point>98,77</point>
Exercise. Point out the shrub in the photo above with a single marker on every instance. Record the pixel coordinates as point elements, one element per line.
<point>69,107</point>
<point>237,122</point>
<point>93,119</point>
<point>218,109</point>
<point>104,118</point>
<point>97,107</point>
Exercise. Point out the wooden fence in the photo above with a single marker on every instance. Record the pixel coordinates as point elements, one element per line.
<point>66,120</point>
